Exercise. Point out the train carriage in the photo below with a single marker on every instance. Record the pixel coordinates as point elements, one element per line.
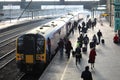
<point>32,48</point>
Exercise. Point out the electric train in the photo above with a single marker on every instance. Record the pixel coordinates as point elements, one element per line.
<point>35,49</point>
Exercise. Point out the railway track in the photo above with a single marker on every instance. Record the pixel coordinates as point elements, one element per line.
<point>7,45</point>
<point>20,75</point>
<point>7,48</point>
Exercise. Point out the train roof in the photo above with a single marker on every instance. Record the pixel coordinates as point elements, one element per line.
<point>50,28</point>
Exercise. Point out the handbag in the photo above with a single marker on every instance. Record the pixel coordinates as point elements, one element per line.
<point>88,60</point>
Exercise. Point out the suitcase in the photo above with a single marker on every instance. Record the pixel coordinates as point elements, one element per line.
<point>92,44</point>
<point>84,49</point>
<point>73,53</point>
<point>103,41</point>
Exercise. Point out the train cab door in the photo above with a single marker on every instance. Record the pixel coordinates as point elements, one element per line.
<point>29,48</point>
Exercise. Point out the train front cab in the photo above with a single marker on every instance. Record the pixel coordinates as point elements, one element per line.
<point>30,52</point>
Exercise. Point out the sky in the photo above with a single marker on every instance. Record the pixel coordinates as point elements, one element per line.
<point>50,0</point>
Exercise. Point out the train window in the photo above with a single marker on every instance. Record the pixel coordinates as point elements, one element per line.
<point>26,45</point>
<point>40,45</point>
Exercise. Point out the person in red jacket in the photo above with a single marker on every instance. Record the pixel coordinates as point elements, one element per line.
<point>92,56</point>
<point>116,38</point>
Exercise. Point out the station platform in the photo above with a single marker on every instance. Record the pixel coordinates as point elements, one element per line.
<point>12,22</point>
<point>9,23</point>
<point>107,64</point>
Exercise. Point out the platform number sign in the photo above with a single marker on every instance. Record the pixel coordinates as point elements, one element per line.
<point>117,14</point>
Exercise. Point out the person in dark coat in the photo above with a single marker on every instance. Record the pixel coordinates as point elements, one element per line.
<point>94,39</point>
<point>86,40</point>
<point>86,75</point>
<point>99,34</point>
<point>83,24</point>
<point>89,23</point>
<point>80,40</point>
<point>61,46</point>
<point>92,56</point>
<point>79,27</point>
<point>68,47</point>
<point>78,54</point>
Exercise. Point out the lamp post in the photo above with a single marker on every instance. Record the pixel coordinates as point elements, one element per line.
<point>10,8</point>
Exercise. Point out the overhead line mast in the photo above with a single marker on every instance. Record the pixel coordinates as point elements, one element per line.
<point>25,9</point>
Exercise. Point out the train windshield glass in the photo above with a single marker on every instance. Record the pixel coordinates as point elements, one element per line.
<point>26,44</point>
<point>40,44</point>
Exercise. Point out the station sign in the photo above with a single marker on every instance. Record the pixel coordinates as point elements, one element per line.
<point>117,14</point>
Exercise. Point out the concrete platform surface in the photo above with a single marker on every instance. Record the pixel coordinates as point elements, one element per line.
<point>107,66</point>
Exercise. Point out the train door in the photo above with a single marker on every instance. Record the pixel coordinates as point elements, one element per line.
<point>41,53</point>
<point>29,48</point>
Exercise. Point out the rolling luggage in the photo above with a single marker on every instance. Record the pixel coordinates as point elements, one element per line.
<point>84,49</point>
<point>73,53</point>
<point>92,44</point>
<point>103,41</point>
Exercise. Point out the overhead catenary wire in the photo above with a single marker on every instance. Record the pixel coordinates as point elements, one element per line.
<point>25,9</point>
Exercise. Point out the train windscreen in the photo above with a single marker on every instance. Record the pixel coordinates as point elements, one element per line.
<point>40,44</point>
<point>26,44</point>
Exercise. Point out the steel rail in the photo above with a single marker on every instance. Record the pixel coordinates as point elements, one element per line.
<point>7,54</point>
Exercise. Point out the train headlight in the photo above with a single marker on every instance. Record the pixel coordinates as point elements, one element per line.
<point>38,57</point>
<point>20,57</point>
<point>42,57</point>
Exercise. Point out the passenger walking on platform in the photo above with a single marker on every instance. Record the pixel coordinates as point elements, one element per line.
<point>78,54</point>
<point>86,40</point>
<point>80,40</point>
<point>94,22</point>
<point>83,24</point>
<point>89,23</point>
<point>86,75</point>
<point>75,24</point>
<point>79,27</point>
<point>61,46</point>
<point>94,39</point>
<point>84,30</point>
<point>72,30</point>
<point>99,34</point>
<point>92,56</point>
<point>68,47</point>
